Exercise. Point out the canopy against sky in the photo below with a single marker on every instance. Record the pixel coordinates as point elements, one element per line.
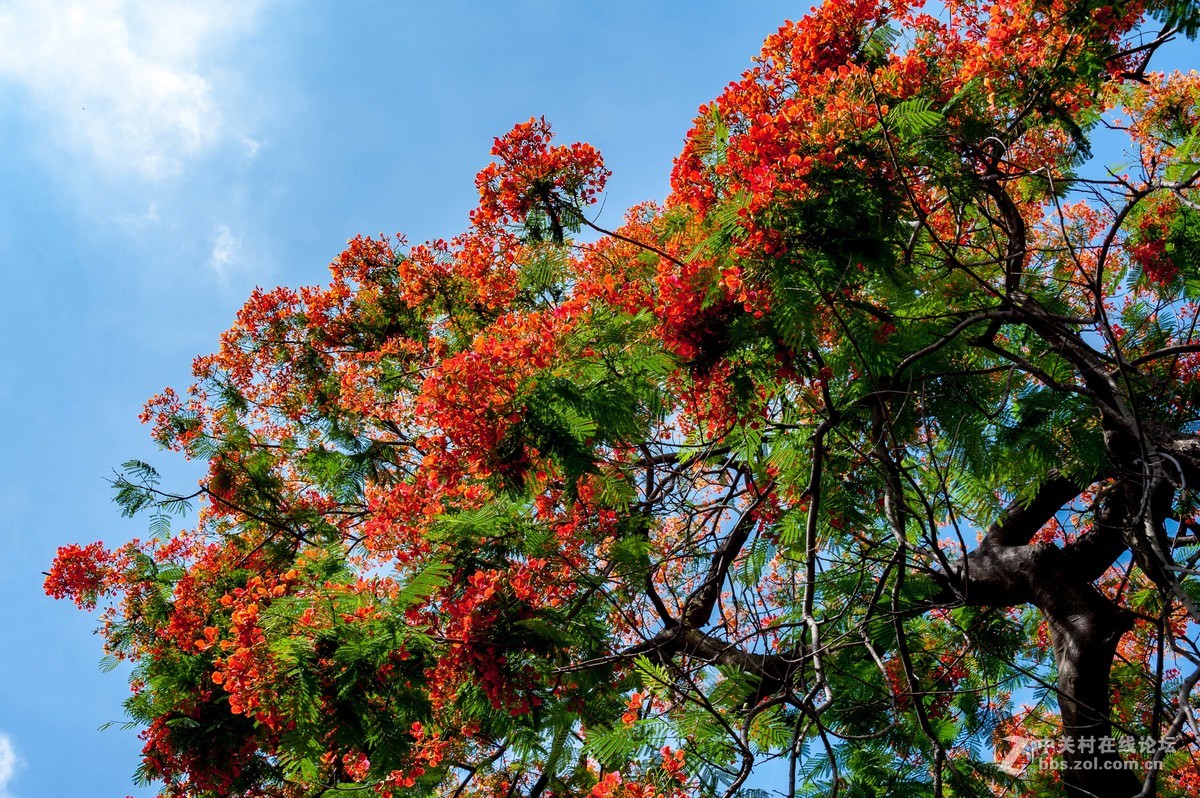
<point>162,158</point>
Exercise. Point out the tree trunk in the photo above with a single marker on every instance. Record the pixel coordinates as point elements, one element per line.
<point>1085,628</point>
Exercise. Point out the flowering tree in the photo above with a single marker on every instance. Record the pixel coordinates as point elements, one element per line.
<point>872,446</point>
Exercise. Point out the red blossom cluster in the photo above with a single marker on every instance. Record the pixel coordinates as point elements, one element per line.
<point>83,574</point>
<point>531,174</point>
<point>1149,247</point>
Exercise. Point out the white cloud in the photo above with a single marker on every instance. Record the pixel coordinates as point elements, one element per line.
<point>135,222</point>
<point>128,84</point>
<point>8,763</point>
<point>252,145</point>
<point>225,250</point>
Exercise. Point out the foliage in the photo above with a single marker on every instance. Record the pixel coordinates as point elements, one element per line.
<point>882,425</point>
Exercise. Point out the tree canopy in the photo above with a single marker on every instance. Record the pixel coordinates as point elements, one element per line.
<point>870,447</point>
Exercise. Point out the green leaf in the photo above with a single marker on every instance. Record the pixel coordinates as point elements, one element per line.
<point>913,118</point>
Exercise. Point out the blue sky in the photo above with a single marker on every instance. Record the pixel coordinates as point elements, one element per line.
<point>158,159</point>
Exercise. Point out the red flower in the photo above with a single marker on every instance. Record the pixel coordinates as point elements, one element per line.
<point>82,574</point>
<point>532,174</point>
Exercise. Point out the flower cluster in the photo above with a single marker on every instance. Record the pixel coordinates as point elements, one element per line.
<point>83,574</point>
<point>534,175</point>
